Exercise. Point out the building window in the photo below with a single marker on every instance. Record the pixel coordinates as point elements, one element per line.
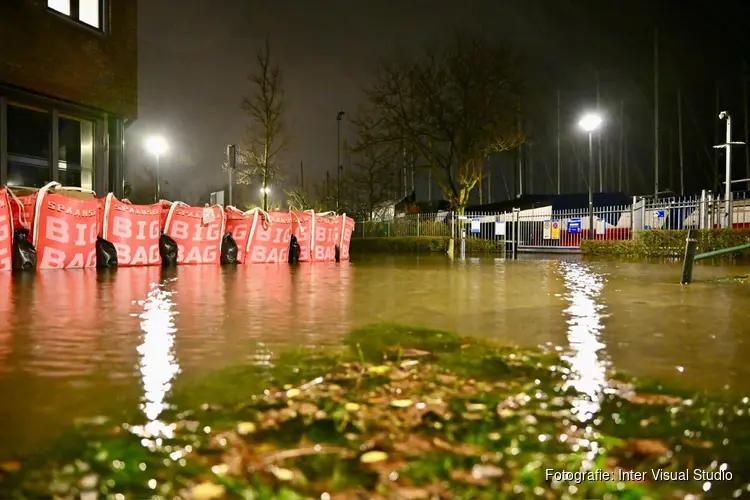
<point>28,147</point>
<point>76,158</point>
<point>88,12</point>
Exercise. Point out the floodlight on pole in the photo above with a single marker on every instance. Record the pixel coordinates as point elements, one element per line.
<point>157,146</point>
<point>590,122</point>
<point>728,217</point>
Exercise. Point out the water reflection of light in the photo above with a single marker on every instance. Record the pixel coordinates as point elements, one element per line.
<point>158,364</point>
<point>588,375</point>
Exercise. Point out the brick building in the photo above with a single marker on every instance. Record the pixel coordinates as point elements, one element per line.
<point>68,90</point>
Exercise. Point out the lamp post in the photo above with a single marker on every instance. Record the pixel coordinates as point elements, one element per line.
<point>339,115</point>
<point>591,122</point>
<point>157,146</point>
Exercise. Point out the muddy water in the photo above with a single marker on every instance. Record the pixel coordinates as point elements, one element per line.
<point>83,343</point>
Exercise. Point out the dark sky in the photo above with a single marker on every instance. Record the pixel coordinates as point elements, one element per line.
<point>195,57</point>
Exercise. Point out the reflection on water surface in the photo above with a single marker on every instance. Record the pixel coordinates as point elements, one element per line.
<point>84,343</point>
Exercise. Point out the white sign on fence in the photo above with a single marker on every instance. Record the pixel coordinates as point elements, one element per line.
<point>475,225</point>
<point>547,230</point>
<point>499,228</point>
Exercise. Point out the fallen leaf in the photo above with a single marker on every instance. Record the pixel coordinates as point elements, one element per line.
<point>397,374</point>
<point>351,406</point>
<point>646,447</point>
<point>372,457</point>
<point>468,477</point>
<point>207,491</point>
<point>446,379</point>
<point>402,403</point>
<point>698,444</point>
<point>245,428</point>
<point>10,466</point>
<point>291,393</point>
<point>413,445</point>
<point>307,409</point>
<point>409,493</point>
<point>476,407</point>
<point>461,449</point>
<point>282,474</point>
<point>480,471</point>
<point>379,370</point>
<point>654,399</point>
<point>414,353</point>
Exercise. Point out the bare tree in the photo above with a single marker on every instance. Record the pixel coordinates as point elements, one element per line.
<point>455,106</point>
<point>258,159</point>
<point>370,181</point>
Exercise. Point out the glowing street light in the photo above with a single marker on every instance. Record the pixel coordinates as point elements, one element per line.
<point>157,146</point>
<point>590,122</point>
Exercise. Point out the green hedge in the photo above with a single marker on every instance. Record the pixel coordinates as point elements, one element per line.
<point>667,243</point>
<point>420,244</point>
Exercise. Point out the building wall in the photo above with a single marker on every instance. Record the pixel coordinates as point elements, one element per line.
<point>49,54</point>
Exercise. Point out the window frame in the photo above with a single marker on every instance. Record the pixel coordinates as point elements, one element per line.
<point>75,17</point>
<point>11,96</point>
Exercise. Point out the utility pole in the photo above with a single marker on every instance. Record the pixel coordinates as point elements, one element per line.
<point>656,114</point>
<point>339,115</point>
<point>559,161</point>
<point>728,172</point>
<point>679,142</point>
<point>747,125</point>
<point>232,164</point>
<point>716,140</point>
<point>599,136</point>
<point>622,144</point>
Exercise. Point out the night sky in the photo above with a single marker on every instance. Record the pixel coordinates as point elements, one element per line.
<point>195,58</point>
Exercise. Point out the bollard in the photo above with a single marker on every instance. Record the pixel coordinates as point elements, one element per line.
<point>463,244</point>
<point>691,245</point>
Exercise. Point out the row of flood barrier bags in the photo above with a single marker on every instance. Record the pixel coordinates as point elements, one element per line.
<point>59,227</point>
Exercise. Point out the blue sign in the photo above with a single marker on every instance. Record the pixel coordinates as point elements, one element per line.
<point>475,225</point>
<point>574,226</point>
<point>659,214</point>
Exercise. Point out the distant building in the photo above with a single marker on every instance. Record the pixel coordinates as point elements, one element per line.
<point>68,89</point>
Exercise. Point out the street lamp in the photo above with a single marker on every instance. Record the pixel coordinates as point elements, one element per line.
<point>157,146</point>
<point>339,115</point>
<point>590,122</point>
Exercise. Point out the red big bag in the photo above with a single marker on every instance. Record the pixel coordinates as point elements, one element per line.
<point>65,227</point>
<point>23,203</point>
<point>197,231</point>
<point>325,232</point>
<point>302,225</point>
<point>240,225</point>
<point>134,230</point>
<point>347,228</point>
<point>6,232</point>
<point>269,238</point>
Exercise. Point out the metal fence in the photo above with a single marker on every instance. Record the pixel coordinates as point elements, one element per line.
<point>545,229</point>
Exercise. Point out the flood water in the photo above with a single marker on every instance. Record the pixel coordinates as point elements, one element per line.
<point>85,343</point>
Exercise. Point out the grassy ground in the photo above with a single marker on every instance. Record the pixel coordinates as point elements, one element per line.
<point>401,412</point>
